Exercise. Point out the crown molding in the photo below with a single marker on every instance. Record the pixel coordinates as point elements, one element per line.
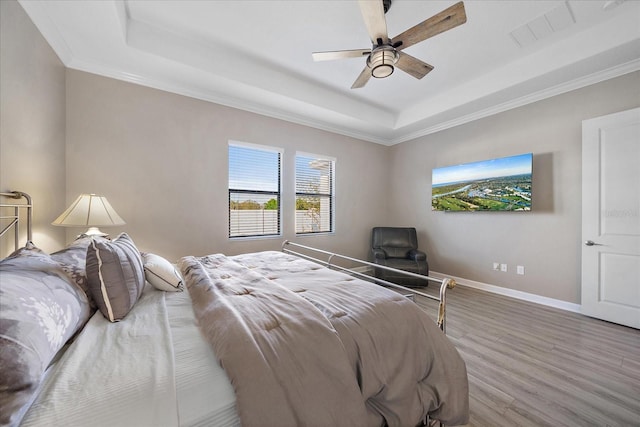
<point>265,110</point>
<point>224,100</point>
<point>569,86</point>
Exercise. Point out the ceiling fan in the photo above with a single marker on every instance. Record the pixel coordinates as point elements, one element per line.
<point>386,53</point>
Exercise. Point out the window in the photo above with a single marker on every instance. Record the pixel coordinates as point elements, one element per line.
<point>314,194</point>
<point>254,190</point>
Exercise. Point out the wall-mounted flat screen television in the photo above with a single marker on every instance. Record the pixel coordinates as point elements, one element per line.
<point>502,184</point>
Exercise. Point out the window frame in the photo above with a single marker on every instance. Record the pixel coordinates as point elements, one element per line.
<point>331,195</point>
<point>277,195</point>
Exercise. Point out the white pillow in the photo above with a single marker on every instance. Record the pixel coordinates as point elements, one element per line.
<point>161,273</point>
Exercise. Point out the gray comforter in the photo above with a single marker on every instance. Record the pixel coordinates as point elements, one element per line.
<point>307,346</point>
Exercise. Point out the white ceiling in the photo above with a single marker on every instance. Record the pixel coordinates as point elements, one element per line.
<point>256,55</point>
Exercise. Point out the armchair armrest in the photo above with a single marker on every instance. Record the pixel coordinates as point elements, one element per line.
<point>417,255</point>
<point>379,254</point>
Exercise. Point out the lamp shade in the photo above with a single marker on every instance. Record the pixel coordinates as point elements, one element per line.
<point>89,210</point>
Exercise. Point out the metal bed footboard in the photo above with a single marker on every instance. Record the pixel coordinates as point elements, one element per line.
<point>445,283</point>
<point>11,213</point>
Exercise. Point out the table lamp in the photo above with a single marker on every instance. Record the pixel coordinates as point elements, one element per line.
<point>89,210</point>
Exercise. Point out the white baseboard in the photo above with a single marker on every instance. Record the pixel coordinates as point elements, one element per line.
<point>538,299</point>
<point>525,296</point>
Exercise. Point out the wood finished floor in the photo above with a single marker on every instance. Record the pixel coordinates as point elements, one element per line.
<point>532,365</point>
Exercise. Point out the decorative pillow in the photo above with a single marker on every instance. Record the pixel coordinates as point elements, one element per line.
<point>115,275</point>
<point>161,273</point>
<point>40,309</point>
<point>73,260</point>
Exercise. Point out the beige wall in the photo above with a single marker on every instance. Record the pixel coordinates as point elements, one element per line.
<point>547,240</point>
<point>161,159</point>
<point>32,122</point>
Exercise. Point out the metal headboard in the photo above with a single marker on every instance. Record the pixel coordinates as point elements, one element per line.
<point>11,212</point>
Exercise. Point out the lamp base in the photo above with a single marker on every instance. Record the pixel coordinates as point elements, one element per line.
<point>94,231</point>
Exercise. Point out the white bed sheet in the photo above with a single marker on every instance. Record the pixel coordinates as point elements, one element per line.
<point>151,369</point>
<point>205,394</point>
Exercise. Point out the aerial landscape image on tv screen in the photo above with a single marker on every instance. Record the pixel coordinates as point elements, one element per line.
<point>502,184</point>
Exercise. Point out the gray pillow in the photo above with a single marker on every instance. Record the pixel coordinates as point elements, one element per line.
<point>115,275</point>
<point>41,308</point>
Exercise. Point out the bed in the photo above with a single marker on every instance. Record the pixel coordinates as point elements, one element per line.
<point>100,334</point>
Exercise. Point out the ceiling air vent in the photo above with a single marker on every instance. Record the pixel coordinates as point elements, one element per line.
<point>555,20</point>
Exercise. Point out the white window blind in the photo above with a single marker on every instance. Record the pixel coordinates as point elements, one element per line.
<point>314,194</point>
<point>254,190</point>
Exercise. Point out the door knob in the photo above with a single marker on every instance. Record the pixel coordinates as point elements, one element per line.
<point>590,243</point>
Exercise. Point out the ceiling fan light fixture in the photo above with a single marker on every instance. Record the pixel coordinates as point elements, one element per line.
<point>382,71</point>
<point>381,62</point>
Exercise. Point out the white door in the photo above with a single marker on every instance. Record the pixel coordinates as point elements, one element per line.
<point>611,217</point>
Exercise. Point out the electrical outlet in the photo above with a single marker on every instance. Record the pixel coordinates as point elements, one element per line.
<point>520,270</point>
<point>496,266</point>
<point>503,268</point>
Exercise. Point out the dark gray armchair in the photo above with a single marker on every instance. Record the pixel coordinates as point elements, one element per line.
<point>397,247</point>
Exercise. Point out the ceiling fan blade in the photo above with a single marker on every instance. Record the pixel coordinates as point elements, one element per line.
<point>413,66</point>
<point>443,21</point>
<point>362,79</point>
<point>373,15</point>
<point>340,54</point>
